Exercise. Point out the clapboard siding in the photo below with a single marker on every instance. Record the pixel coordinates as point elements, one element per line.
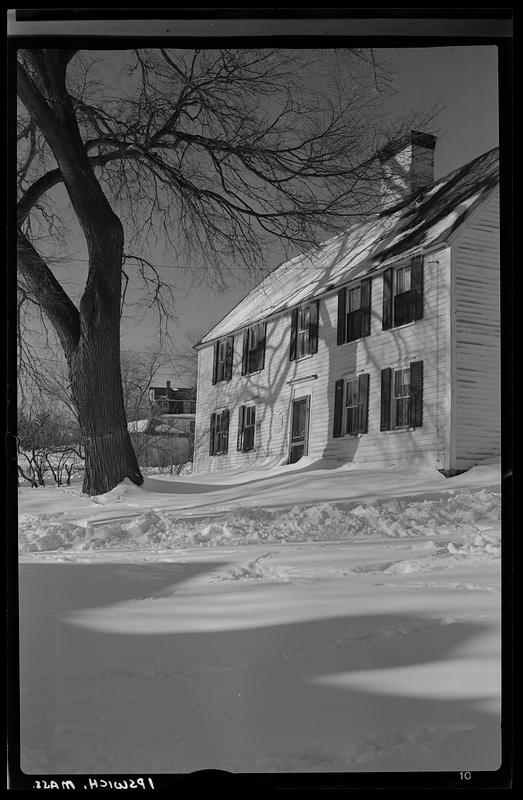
<point>272,389</point>
<point>476,337</point>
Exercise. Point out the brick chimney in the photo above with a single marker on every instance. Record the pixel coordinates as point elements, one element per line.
<point>407,166</point>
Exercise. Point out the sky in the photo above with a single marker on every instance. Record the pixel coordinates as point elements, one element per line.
<point>462,80</point>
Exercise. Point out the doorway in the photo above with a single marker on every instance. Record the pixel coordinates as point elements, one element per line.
<point>299,444</point>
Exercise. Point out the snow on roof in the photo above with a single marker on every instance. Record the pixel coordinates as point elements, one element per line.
<point>427,219</point>
<point>138,425</point>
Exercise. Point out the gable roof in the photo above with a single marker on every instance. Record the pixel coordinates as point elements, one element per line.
<point>427,219</point>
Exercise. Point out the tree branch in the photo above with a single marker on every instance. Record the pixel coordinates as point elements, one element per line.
<point>49,294</point>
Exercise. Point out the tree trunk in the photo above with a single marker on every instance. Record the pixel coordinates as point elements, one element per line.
<point>97,393</point>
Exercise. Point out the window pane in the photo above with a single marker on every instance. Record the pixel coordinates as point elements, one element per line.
<point>351,394</point>
<point>303,343</point>
<point>250,413</point>
<point>401,412</point>
<point>304,318</point>
<point>402,383</point>
<point>354,298</point>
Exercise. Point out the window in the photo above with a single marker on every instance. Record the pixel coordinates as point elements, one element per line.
<point>351,405</point>
<point>222,364</point>
<point>402,397</point>
<point>253,357</point>
<point>219,433</point>
<point>246,428</point>
<point>304,331</point>
<point>403,293</point>
<point>354,312</point>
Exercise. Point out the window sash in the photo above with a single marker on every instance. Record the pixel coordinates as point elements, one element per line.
<point>351,405</point>
<point>220,434</point>
<point>401,398</point>
<point>402,282</point>
<point>303,327</point>
<point>246,433</point>
<point>354,325</point>
<point>354,299</point>
<point>253,350</point>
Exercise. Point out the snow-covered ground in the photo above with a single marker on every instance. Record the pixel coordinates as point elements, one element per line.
<point>298,618</point>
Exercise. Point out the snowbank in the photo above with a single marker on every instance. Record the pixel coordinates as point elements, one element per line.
<point>469,520</point>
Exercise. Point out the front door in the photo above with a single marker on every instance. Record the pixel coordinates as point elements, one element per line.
<point>299,429</point>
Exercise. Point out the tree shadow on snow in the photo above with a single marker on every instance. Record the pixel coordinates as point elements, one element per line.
<point>272,698</point>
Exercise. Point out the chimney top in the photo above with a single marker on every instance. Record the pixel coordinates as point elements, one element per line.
<point>168,385</point>
<point>413,138</point>
<point>407,166</point>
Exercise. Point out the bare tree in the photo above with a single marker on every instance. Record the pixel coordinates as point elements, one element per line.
<point>219,150</point>
<point>139,371</point>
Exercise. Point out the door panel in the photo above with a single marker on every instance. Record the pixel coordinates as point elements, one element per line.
<point>299,429</point>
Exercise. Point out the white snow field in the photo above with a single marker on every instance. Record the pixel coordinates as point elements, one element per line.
<point>288,619</point>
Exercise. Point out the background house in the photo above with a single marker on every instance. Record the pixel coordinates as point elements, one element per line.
<point>381,347</point>
<point>166,436</point>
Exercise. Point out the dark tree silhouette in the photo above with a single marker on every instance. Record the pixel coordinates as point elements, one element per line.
<point>219,149</point>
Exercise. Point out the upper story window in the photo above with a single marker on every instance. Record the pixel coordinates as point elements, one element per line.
<point>222,362</point>
<point>354,312</point>
<point>253,356</point>
<point>402,397</point>
<point>403,293</point>
<point>351,405</point>
<point>246,428</point>
<point>304,331</point>
<point>219,433</point>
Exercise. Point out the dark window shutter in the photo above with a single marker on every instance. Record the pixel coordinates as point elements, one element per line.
<point>245,353</point>
<point>338,408</point>
<point>294,333</point>
<point>241,423</point>
<point>416,277</point>
<point>212,434</point>
<point>386,380</point>
<point>229,358</point>
<point>313,327</point>
<point>261,345</point>
<point>215,362</point>
<point>365,306</point>
<point>342,294</point>
<point>387,299</point>
<point>225,428</point>
<point>416,394</point>
<point>363,403</point>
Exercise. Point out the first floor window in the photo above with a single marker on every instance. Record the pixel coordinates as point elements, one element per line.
<point>402,397</point>
<point>351,405</point>
<point>219,433</point>
<point>246,428</point>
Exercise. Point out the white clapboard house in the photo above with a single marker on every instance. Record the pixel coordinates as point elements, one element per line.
<point>379,348</point>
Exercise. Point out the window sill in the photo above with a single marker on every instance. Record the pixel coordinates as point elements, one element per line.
<point>256,372</point>
<point>405,325</point>
<point>352,435</point>
<point>354,341</point>
<point>400,430</point>
<point>304,358</point>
